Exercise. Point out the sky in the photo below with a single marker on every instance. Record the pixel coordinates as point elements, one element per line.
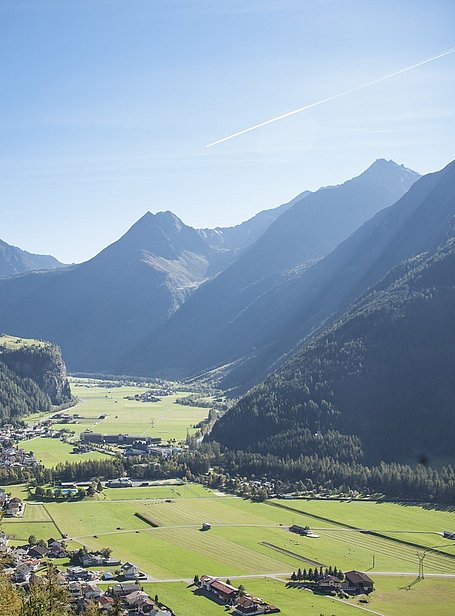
<point>106,108</point>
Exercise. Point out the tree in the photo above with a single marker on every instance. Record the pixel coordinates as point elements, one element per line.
<point>32,540</point>
<point>10,603</point>
<point>294,576</point>
<point>99,486</point>
<point>91,609</point>
<point>242,590</point>
<point>196,579</point>
<point>45,598</point>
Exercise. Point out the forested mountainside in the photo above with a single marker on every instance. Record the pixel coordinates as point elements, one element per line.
<point>378,385</point>
<point>418,222</point>
<point>32,377</point>
<point>218,324</point>
<point>15,261</point>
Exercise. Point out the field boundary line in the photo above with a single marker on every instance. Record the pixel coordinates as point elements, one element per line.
<point>286,552</point>
<point>372,533</point>
<point>52,519</point>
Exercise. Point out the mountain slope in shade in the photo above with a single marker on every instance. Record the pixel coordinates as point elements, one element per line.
<point>223,320</point>
<point>383,374</point>
<point>241,236</point>
<point>97,309</point>
<point>15,261</point>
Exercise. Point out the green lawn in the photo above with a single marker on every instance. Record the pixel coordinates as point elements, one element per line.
<point>161,491</point>
<point>248,539</point>
<point>164,418</point>
<point>19,490</point>
<point>245,538</point>
<point>51,451</point>
<point>36,521</point>
<point>411,523</point>
<point>407,596</point>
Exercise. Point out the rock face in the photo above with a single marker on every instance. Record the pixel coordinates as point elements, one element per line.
<point>42,362</point>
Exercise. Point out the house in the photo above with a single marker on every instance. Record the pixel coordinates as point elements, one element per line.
<point>123,589</point>
<point>79,573</point>
<point>449,534</point>
<point>327,583</point>
<point>224,592</point>
<point>140,601</point>
<point>357,582</point>
<point>74,590</point>
<point>38,551</point>
<point>15,508</point>
<point>90,591</point>
<point>104,603</point>
<point>252,606</point>
<point>206,526</point>
<point>130,571</point>
<point>22,573</point>
<point>121,482</point>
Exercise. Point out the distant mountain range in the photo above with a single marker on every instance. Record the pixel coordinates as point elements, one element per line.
<point>15,261</point>
<point>234,316</point>
<point>139,305</point>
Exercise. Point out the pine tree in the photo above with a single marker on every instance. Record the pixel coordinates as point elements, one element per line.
<point>10,603</point>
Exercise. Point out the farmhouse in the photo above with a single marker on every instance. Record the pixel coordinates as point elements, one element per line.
<point>224,592</point>
<point>252,606</point>
<point>327,583</point>
<point>357,582</point>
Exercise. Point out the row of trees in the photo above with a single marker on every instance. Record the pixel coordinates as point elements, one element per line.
<point>312,575</point>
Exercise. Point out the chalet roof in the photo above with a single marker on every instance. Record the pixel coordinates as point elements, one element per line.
<point>357,576</point>
<point>328,578</point>
<point>227,589</point>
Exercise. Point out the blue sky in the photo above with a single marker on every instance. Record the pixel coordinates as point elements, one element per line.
<point>107,105</point>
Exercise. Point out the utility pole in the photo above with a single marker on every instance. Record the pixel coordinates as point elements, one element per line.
<point>421,557</point>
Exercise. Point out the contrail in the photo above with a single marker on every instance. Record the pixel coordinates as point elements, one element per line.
<point>332,98</point>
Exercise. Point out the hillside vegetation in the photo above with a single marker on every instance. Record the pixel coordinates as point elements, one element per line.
<point>377,385</point>
<point>32,377</point>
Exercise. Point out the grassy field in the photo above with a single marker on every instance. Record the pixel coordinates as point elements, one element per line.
<point>51,451</point>
<point>36,521</point>
<point>246,538</point>
<point>407,596</point>
<point>13,342</point>
<point>249,539</point>
<point>164,418</point>
<point>410,523</point>
<point>160,491</point>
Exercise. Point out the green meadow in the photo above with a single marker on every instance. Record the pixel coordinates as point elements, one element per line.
<point>51,451</point>
<point>163,419</point>
<point>158,528</point>
<point>412,523</point>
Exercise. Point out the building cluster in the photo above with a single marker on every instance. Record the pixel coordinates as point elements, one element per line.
<point>23,566</point>
<point>12,507</point>
<point>229,595</point>
<point>132,444</point>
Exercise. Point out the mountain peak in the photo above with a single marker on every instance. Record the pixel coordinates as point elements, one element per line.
<point>383,166</point>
